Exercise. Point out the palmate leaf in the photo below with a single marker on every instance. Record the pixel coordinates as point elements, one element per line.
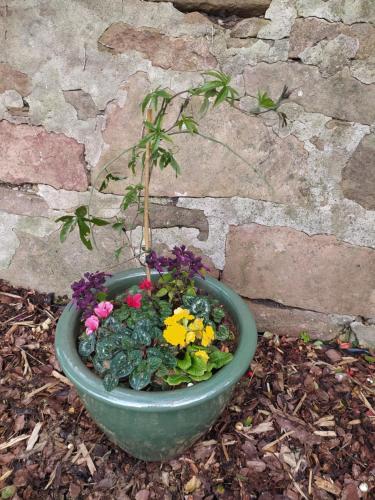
<point>264,101</point>
<point>109,177</point>
<point>131,195</point>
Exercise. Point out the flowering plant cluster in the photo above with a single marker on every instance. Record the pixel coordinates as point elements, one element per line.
<point>155,335</point>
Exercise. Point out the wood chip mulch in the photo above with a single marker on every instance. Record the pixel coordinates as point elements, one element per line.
<point>301,425</point>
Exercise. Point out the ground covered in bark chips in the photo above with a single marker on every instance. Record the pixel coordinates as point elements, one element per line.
<point>301,425</point>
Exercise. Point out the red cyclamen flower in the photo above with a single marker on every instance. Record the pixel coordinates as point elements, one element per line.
<point>145,284</point>
<point>134,300</point>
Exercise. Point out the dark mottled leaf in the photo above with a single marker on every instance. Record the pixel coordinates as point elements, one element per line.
<point>110,381</point>
<point>142,332</point>
<point>140,376</point>
<point>222,333</point>
<point>217,314</point>
<point>86,345</point>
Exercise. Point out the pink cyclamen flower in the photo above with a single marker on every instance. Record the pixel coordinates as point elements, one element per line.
<point>103,309</point>
<point>134,300</point>
<point>92,324</point>
<point>145,284</point>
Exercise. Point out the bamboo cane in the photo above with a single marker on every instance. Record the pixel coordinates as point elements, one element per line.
<point>146,193</point>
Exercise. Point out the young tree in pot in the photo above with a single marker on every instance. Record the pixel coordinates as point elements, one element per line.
<point>165,325</point>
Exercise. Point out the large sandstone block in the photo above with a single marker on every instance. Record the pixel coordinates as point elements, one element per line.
<point>318,273</point>
<point>242,7</point>
<point>166,52</point>
<point>358,176</point>
<point>339,96</point>
<point>270,317</point>
<point>32,155</point>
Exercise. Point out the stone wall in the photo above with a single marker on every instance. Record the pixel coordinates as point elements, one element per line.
<point>300,249</point>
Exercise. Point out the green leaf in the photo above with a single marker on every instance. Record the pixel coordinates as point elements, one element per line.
<point>265,101</point>
<point>118,362</point>
<point>101,296</point>
<point>106,347</point>
<point>205,105</point>
<point>99,365</point>
<point>81,211</point>
<point>117,252</point>
<point>198,367</point>
<point>67,228</point>
<point>142,332</point>
<point>8,492</point>
<point>109,177</point>
<point>221,96</point>
<point>110,381</point>
<point>220,359</point>
<point>305,337</point>
<point>86,345</point>
<point>166,278</point>
<point>99,222</point>
<point>162,292</point>
<point>140,376</point>
<point>222,333</point>
<point>118,226</point>
<point>201,378</point>
<point>185,363</point>
<point>199,306</point>
<point>177,379</point>
<point>84,231</point>
<point>370,359</point>
<point>131,196</point>
<point>154,363</point>
<point>176,167</point>
<point>218,314</point>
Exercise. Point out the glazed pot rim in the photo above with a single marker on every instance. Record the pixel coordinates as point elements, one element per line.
<point>87,382</point>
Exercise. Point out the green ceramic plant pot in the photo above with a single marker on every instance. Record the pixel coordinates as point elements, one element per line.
<point>156,426</point>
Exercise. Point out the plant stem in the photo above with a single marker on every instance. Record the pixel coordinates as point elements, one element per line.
<point>146,202</point>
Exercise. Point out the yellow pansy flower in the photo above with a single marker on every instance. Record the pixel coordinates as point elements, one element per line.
<point>208,336</point>
<point>196,325</point>
<point>179,314</point>
<point>202,354</point>
<point>175,335</point>
<point>190,337</point>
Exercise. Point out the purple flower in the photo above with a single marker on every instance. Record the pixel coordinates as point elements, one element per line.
<point>85,292</point>
<point>182,260</point>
